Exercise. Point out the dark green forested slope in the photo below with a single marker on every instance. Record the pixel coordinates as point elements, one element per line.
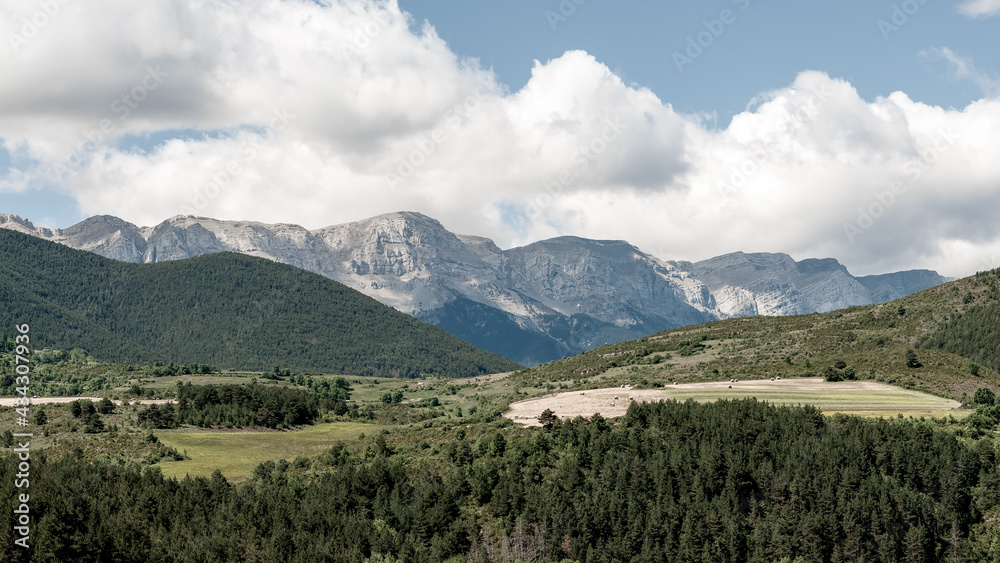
<point>730,481</point>
<point>975,333</point>
<point>229,310</point>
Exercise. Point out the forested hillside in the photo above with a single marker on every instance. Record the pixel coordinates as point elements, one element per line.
<point>228,310</point>
<point>975,332</point>
<point>730,481</point>
<point>944,340</point>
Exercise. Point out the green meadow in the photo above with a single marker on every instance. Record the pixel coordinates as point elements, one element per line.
<point>235,454</point>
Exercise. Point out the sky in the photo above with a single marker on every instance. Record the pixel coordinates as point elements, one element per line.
<point>867,131</point>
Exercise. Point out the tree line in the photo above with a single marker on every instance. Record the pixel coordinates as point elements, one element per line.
<point>237,406</point>
<point>730,481</point>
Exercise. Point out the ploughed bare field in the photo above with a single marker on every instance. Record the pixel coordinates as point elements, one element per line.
<point>853,397</point>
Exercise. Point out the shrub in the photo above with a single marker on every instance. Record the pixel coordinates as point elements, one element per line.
<point>832,375</point>
<point>984,396</point>
<point>94,424</point>
<point>106,406</point>
<point>547,418</point>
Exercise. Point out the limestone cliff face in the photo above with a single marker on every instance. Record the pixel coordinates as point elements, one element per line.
<point>887,287</point>
<point>775,284</point>
<point>609,280</point>
<point>532,304</point>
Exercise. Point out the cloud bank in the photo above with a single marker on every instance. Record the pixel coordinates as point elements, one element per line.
<point>291,111</point>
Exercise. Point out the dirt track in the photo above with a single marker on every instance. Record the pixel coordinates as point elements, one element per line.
<point>9,401</point>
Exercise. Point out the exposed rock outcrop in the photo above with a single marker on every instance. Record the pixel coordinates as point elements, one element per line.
<point>532,304</point>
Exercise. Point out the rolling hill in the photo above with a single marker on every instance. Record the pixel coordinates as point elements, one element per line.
<point>230,310</point>
<point>953,330</point>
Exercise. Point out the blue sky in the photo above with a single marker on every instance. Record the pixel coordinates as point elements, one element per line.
<point>764,48</point>
<point>740,125</point>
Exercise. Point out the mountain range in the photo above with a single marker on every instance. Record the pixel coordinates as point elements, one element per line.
<point>225,309</point>
<point>532,304</point>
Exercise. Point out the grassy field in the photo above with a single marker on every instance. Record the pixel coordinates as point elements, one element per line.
<point>859,401</point>
<point>237,453</point>
<point>861,398</point>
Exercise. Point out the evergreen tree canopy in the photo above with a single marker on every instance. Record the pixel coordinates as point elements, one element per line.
<point>730,481</point>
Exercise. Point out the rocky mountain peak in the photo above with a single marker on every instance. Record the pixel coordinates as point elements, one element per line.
<point>532,303</point>
<point>22,225</point>
<point>8,220</point>
<point>100,226</point>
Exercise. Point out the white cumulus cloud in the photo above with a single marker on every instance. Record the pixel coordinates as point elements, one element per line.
<point>291,111</point>
<point>976,8</point>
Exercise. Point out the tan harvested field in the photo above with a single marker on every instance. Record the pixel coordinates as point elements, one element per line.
<point>866,398</point>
